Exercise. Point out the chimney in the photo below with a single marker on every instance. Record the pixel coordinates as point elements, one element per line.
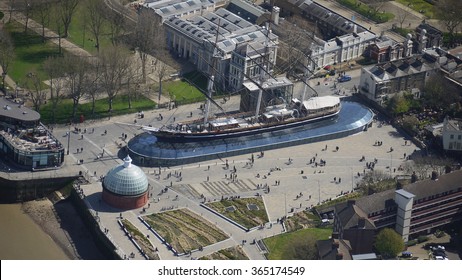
<point>355,29</point>
<point>275,15</point>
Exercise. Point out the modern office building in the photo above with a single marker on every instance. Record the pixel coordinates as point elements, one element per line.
<point>415,209</point>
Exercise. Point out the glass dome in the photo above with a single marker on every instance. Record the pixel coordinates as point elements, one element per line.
<point>126,179</point>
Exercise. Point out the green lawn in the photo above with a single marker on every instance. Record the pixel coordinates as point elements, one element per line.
<point>364,10</point>
<point>30,53</point>
<point>418,5</point>
<point>78,34</point>
<point>276,245</point>
<point>183,92</point>
<point>120,107</point>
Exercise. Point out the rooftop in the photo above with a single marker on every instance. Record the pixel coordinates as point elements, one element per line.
<point>16,110</point>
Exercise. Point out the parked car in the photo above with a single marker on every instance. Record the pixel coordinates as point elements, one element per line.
<point>440,258</point>
<point>406,254</point>
<point>344,78</point>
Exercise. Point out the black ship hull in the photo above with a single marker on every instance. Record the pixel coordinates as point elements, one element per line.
<point>171,136</point>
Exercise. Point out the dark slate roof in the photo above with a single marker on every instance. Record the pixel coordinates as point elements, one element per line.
<point>327,251</point>
<point>382,200</point>
<point>350,215</point>
<point>426,188</point>
<point>17,111</point>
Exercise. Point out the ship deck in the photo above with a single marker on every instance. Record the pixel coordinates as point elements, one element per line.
<point>146,150</point>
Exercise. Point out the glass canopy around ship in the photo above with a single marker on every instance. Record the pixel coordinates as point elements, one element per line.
<point>147,150</point>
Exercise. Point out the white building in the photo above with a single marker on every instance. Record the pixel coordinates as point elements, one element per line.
<point>452,134</point>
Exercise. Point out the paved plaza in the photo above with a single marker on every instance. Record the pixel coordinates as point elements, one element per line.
<point>99,144</point>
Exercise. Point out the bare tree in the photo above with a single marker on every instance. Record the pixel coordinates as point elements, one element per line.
<point>116,25</point>
<point>402,15</point>
<point>11,7</point>
<point>376,5</point>
<point>133,83</point>
<point>376,181</point>
<point>91,83</point>
<point>148,37</point>
<point>37,93</point>
<point>66,9</point>
<point>114,66</point>
<point>448,11</point>
<point>75,71</point>
<point>95,12</point>
<point>24,6</point>
<point>6,54</point>
<point>42,8</point>
<point>52,67</point>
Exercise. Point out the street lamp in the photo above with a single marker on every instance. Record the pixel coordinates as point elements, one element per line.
<point>68,139</point>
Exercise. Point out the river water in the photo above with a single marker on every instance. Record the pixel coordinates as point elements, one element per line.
<point>22,239</point>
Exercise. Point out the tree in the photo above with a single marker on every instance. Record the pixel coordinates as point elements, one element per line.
<point>11,7</point>
<point>75,71</point>
<point>43,9</point>
<point>116,25</point>
<point>376,5</point>
<point>52,67</point>
<point>389,243</point>
<point>95,11</point>
<point>300,249</point>
<point>448,11</point>
<point>114,66</point>
<point>6,54</point>
<point>411,123</point>
<point>148,38</point>
<point>376,181</point>
<point>402,15</point>
<point>91,83</point>
<point>25,6</point>
<point>66,9</point>
<point>440,93</point>
<point>398,104</point>
<point>38,94</point>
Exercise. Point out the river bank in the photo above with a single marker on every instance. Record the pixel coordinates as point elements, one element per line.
<point>63,224</point>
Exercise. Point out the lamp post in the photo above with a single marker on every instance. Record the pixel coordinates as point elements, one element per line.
<point>68,139</point>
<point>352,180</point>
<point>3,80</point>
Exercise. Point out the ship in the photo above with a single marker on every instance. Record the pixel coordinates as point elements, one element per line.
<point>272,118</point>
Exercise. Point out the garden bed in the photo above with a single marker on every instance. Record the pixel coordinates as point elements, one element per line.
<point>248,212</point>
<point>184,230</point>
<point>142,240</point>
<point>233,253</point>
